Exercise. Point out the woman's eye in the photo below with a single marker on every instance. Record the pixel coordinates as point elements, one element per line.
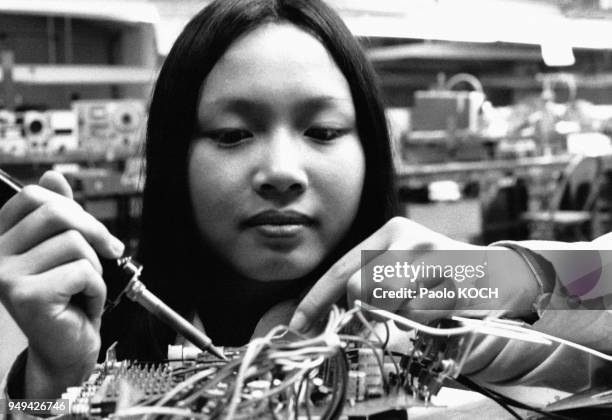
<point>227,137</point>
<point>325,134</point>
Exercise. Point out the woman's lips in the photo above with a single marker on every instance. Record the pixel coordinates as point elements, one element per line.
<point>279,231</point>
<point>279,224</point>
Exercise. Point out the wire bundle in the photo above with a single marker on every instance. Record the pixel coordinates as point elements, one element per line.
<point>279,376</point>
<point>272,378</point>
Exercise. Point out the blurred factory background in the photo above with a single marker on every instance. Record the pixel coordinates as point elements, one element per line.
<point>501,110</point>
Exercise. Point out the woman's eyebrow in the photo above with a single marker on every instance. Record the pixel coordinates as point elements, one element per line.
<point>325,100</point>
<point>247,106</point>
<point>239,105</point>
<point>256,111</point>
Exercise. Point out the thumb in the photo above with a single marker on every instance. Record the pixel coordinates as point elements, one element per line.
<point>55,181</point>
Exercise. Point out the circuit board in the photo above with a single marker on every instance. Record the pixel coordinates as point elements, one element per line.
<point>334,374</point>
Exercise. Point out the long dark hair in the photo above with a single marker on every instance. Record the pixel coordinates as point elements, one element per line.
<point>175,264</point>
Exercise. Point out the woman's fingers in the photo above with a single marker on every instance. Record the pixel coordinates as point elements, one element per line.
<point>44,298</point>
<point>50,275</point>
<point>332,285</point>
<point>76,278</point>
<point>398,294</point>
<point>60,312</point>
<point>54,217</point>
<point>416,242</point>
<point>54,181</point>
<point>60,249</point>
<point>397,233</point>
<point>24,202</point>
<point>36,214</point>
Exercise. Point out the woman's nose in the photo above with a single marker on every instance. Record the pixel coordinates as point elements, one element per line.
<point>281,173</point>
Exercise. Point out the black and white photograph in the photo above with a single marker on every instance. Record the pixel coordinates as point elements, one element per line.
<point>306,209</point>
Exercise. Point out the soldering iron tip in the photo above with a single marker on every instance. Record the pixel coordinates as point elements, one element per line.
<point>215,351</point>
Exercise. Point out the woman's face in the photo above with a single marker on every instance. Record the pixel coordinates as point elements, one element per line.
<point>276,167</point>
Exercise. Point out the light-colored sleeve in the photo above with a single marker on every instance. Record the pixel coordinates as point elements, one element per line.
<point>11,386</point>
<point>576,308</point>
<point>12,341</point>
<point>14,379</point>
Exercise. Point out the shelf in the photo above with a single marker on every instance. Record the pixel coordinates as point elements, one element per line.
<point>407,171</point>
<point>444,136</point>
<point>48,74</point>
<point>106,10</point>
<point>68,157</point>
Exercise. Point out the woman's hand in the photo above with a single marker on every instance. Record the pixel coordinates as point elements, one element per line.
<point>504,270</point>
<point>51,284</point>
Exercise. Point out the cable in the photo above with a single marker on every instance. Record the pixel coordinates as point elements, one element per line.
<point>334,410</point>
<point>505,400</point>
<point>164,411</point>
<point>307,400</point>
<point>413,324</point>
<point>289,371</point>
<point>523,328</point>
<point>185,384</point>
<point>299,392</point>
<point>383,344</point>
<point>272,412</point>
<point>388,335</point>
<point>524,406</point>
<point>486,326</point>
<point>463,380</point>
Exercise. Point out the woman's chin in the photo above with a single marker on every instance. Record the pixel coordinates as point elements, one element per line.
<point>278,276</point>
<point>274,270</point>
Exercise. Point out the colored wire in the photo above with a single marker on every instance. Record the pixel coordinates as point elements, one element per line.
<point>383,344</point>
<point>501,398</point>
<point>463,380</point>
<point>486,326</point>
<point>162,411</point>
<point>339,390</point>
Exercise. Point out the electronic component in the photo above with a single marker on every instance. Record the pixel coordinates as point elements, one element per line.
<point>12,142</point>
<point>94,126</point>
<point>62,132</point>
<point>36,131</point>
<point>107,125</point>
<point>434,359</point>
<point>356,388</point>
<point>368,364</point>
<point>273,377</point>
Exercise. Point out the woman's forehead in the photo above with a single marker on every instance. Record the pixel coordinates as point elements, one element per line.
<point>276,59</point>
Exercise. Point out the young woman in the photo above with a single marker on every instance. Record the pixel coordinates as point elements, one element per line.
<point>268,170</point>
<point>267,159</point>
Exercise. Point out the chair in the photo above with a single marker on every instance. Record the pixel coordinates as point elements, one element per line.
<point>569,213</point>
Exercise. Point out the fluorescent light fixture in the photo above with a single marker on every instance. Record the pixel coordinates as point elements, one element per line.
<point>419,26</point>
<point>510,21</point>
<point>481,21</point>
